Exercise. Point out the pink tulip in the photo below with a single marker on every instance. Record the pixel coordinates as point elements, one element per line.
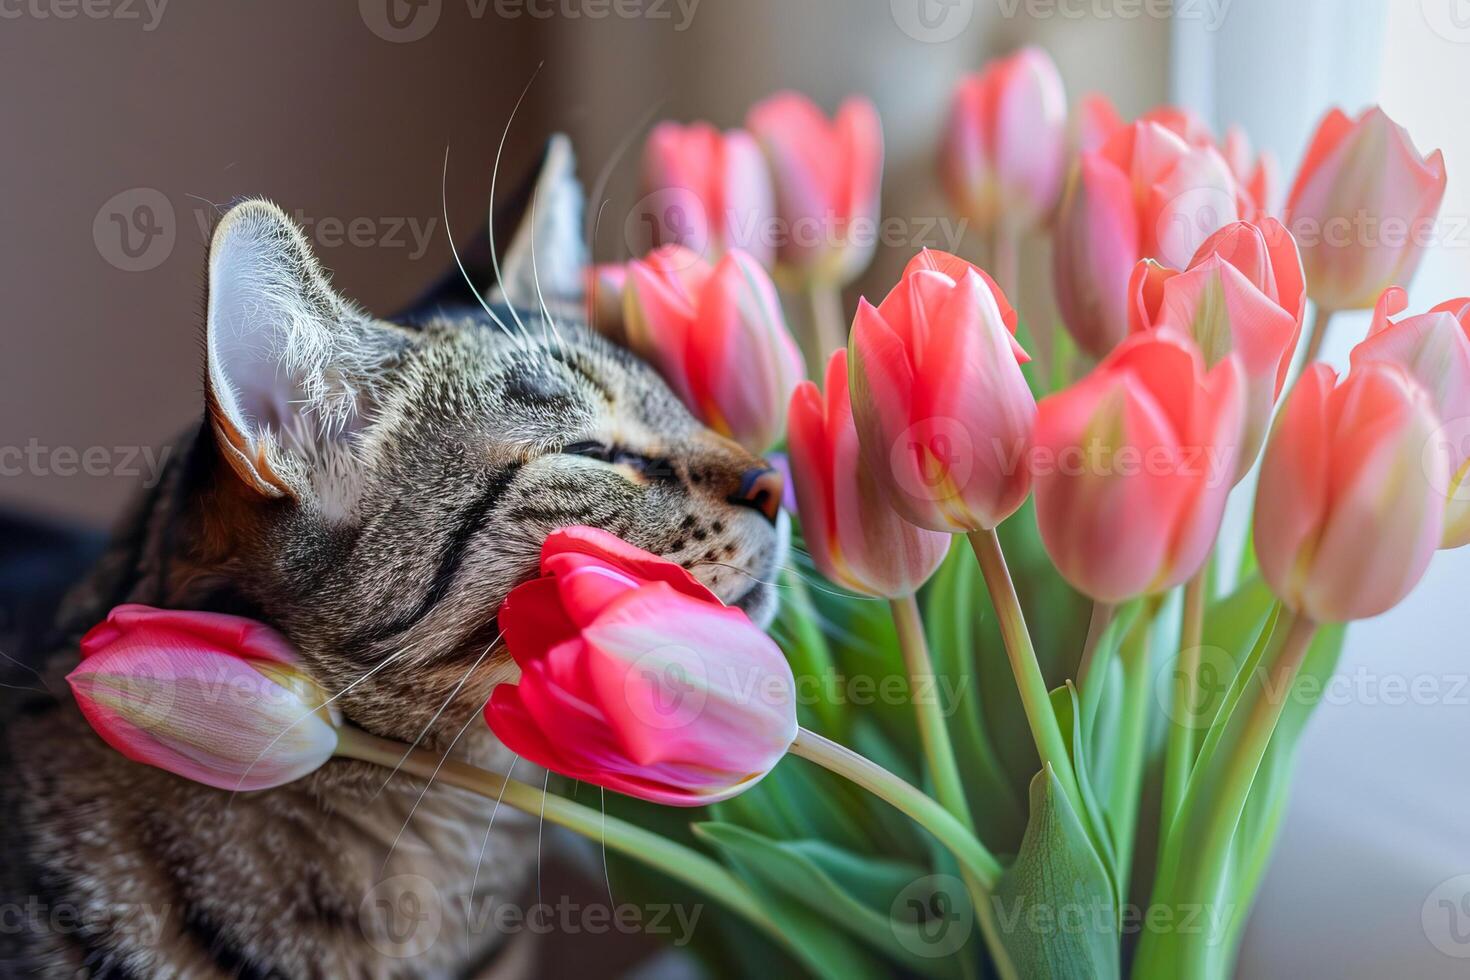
<point>1133,464</point>
<point>942,409</point>
<point>213,698</point>
<point>1363,205</point>
<point>1349,510</point>
<point>636,678</point>
<point>708,191</point>
<point>1259,177</point>
<point>1093,121</point>
<point>718,337</point>
<point>1242,293</point>
<point>1005,142</point>
<point>1434,348</point>
<point>854,537</point>
<point>826,175</point>
<point>1146,193</point>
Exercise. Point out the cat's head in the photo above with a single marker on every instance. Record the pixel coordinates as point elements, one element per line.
<point>382,487</point>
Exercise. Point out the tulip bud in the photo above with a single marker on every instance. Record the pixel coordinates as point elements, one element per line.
<point>943,411</point>
<point>706,190</point>
<point>855,538</point>
<point>1243,294</point>
<point>1005,142</point>
<point>1147,193</point>
<point>718,337</point>
<point>636,678</point>
<point>1133,465</point>
<point>1348,511</point>
<point>213,698</point>
<point>1434,348</point>
<point>1361,206</point>
<point>826,175</point>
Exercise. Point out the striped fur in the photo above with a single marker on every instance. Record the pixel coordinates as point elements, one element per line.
<point>402,486</point>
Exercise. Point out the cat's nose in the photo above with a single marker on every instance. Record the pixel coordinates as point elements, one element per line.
<point>760,488</point>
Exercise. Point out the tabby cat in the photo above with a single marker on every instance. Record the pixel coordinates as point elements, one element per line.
<point>373,491</point>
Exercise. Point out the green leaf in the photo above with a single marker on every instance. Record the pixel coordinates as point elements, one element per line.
<point>797,872</point>
<point>1066,706</point>
<point>1055,907</point>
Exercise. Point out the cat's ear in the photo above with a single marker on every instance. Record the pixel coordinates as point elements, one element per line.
<point>290,360</point>
<point>547,260</point>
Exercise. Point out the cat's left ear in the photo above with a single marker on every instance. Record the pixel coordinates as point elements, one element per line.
<point>291,362</point>
<point>547,259</point>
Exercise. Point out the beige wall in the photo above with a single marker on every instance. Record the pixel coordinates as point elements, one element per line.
<point>304,103</point>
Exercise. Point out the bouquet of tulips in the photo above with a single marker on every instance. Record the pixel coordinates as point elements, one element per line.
<point>1045,728</point>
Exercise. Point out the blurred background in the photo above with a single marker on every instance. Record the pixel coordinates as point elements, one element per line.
<point>130,124</point>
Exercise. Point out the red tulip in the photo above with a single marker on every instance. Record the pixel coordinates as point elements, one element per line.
<point>1005,142</point>
<point>708,191</point>
<point>826,175</point>
<point>1349,510</point>
<point>1362,206</point>
<point>213,698</point>
<point>636,678</point>
<point>1434,348</point>
<point>1133,465</point>
<point>855,538</point>
<point>943,412</point>
<point>1242,293</point>
<point>718,337</point>
<point>1146,193</point>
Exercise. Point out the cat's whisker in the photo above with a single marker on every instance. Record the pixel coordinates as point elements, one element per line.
<point>494,173</point>
<point>430,724</point>
<point>540,832</point>
<point>536,281</point>
<point>282,734</point>
<point>30,670</point>
<point>430,782</point>
<point>606,876</point>
<point>475,880</point>
<point>444,203</point>
<point>599,186</point>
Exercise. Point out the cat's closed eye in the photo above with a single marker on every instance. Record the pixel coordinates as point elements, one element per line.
<point>654,467</point>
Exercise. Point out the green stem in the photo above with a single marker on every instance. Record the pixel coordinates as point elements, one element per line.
<point>933,732</point>
<point>908,799</point>
<point>979,868</point>
<point>1215,815</point>
<point>675,860</point>
<point>1179,754</point>
<point>1318,334</point>
<point>1132,743</point>
<point>1097,625</point>
<point>827,327</point>
<point>1035,698</point>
